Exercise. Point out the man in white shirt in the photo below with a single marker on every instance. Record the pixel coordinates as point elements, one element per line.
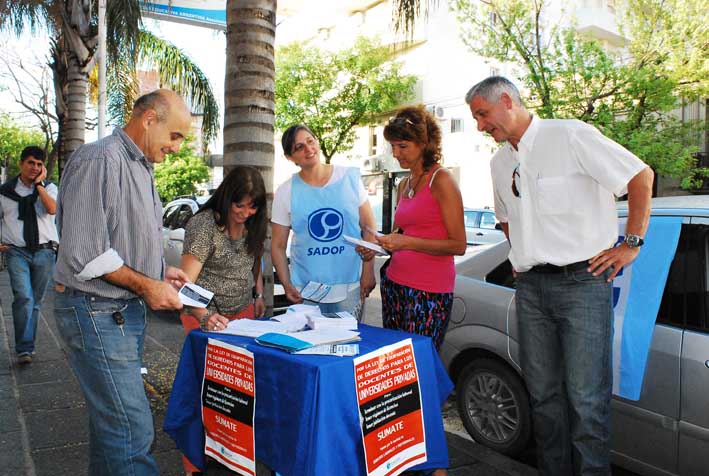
<point>28,238</point>
<point>555,183</point>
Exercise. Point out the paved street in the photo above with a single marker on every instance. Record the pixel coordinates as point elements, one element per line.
<point>43,421</point>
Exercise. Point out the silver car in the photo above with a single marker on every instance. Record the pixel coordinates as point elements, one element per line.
<point>174,218</point>
<point>666,431</point>
<point>481,227</point>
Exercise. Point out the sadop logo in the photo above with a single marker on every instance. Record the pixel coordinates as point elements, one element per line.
<point>325,224</point>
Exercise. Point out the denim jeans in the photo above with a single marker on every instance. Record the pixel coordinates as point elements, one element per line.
<point>107,360</point>
<point>566,333</point>
<point>29,275</point>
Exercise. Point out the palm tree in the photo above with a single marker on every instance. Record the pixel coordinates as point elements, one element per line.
<point>72,26</point>
<point>175,70</point>
<point>249,91</point>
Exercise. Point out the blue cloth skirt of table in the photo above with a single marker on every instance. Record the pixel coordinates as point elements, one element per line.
<point>307,420</point>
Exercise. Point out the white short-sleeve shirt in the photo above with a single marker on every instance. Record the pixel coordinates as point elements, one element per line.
<point>569,174</point>
<point>280,213</point>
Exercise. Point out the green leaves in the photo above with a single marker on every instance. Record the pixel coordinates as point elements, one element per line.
<point>13,138</point>
<point>180,173</point>
<point>334,92</point>
<point>630,98</point>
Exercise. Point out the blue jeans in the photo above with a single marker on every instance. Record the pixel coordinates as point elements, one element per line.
<point>29,275</point>
<point>107,364</point>
<point>566,333</point>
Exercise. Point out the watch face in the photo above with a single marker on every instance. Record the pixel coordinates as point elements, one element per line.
<point>632,240</point>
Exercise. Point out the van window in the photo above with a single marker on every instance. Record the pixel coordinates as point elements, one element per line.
<point>487,221</point>
<point>684,301</point>
<point>182,217</point>
<point>169,215</point>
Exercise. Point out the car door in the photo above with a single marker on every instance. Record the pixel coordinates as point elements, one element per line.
<point>693,455</point>
<point>176,235</point>
<point>471,218</point>
<point>645,433</point>
<point>168,217</point>
<point>487,231</point>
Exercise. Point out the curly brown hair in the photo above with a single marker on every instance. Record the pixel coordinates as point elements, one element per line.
<point>416,124</point>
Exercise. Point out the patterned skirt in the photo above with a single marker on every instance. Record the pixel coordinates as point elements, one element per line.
<point>415,311</point>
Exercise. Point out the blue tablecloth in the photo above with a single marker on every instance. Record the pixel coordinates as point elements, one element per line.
<point>307,419</point>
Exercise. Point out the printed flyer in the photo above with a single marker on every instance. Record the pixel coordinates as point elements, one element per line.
<point>391,416</point>
<point>228,406</point>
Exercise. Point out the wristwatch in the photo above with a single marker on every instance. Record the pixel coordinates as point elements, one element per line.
<point>634,241</point>
<point>40,184</point>
<point>256,295</point>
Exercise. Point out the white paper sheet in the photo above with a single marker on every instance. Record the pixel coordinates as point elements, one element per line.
<point>255,328</point>
<point>324,293</point>
<point>194,296</point>
<point>372,246</point>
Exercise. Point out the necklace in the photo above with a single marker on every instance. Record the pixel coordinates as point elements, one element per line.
<point>412,190</point>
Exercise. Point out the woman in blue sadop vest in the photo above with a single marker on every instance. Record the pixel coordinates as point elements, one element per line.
<point>320,204</point>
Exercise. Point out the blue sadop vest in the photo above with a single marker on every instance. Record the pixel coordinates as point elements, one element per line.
<point>319,218</point>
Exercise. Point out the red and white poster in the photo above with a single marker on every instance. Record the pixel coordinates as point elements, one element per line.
<point>389,398</point>
<point>228,406</point>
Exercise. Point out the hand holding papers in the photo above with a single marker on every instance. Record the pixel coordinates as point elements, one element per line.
<point>194,296</point>
<point>366,244</point>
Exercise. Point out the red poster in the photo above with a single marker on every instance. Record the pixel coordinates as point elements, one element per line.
<point>389,399</point>
<point>228,405</point>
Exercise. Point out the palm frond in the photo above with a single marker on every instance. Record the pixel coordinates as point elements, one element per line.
<point>176,70</point>
<point>123,88</point>
<point>16,15</point>
<point>123,23</point>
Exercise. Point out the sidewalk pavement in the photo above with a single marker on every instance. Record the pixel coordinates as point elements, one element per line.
<point>43,420</point>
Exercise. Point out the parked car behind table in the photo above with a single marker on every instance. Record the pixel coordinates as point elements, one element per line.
<point>665,432</point>
<point>481,226</point>
<point>174,218</point>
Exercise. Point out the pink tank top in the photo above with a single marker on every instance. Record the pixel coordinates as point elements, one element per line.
<point>420,217</point>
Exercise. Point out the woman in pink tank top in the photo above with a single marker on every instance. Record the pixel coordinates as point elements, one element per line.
<point>417,286</point>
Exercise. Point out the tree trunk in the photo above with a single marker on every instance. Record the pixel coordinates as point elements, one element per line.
<point>249,100</point>
<point>73,55</point>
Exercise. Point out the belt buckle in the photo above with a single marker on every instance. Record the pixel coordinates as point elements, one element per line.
<point>60,288</point>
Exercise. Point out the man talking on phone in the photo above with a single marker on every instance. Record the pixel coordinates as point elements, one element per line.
<point>110,269</point>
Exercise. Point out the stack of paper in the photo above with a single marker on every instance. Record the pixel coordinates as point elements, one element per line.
<point>254,328</point>
<point>332,320</point>
<point>297,341</point>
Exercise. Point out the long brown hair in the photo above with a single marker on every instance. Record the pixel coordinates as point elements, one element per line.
<point>242,181</point>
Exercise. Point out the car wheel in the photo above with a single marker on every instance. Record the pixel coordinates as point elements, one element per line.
<point>494,406</point>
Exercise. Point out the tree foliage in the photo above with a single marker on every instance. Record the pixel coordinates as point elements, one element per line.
<point>73,29</point>
<point>180,173</point>
<point>13,138</point>
<point>629,97</point>
<point>333,92</point>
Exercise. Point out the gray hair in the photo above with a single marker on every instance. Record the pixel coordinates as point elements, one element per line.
<point>490,89</point>
<point>156,101</point>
